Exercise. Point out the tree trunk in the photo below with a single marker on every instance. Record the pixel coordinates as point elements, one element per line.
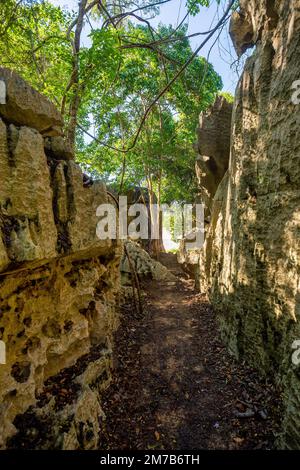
<point>75,82</point>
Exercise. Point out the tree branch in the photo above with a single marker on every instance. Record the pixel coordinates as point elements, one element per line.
<point>168,86</point>
<point>74,23</point>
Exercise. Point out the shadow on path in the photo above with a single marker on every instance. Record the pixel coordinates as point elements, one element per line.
<point>175,386</point>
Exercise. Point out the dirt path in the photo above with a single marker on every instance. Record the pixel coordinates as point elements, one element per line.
<point>176,387</point>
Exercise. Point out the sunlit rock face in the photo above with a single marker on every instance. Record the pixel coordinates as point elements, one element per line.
<point>24,106</point>
<point>145,266</point>
<point>213,148</point>
<point>254,263</point>
<point>59,284</point>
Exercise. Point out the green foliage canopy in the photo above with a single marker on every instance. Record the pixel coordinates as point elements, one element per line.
<point>122,68</point>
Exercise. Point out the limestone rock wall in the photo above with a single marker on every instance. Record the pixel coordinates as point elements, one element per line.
<point>145,266</point>
<point>253,250</point>
<point>59,283</point>
<point>213,148</point>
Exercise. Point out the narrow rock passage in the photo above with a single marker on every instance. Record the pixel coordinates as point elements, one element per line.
<point>175,386</point>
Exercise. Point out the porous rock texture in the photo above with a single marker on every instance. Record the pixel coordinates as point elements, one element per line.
<point>24,106</point>
<point>251,256</point>
<point>144,266</point>
<point>213,148</point>
<point>189,257</point>
<point>59,284</point>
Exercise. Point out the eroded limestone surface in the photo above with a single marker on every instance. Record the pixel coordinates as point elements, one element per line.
<point>213,147</point>
<point>145,266</point>
<point>59,283</point>
<point>252,252</point>
<point>24,106</point>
